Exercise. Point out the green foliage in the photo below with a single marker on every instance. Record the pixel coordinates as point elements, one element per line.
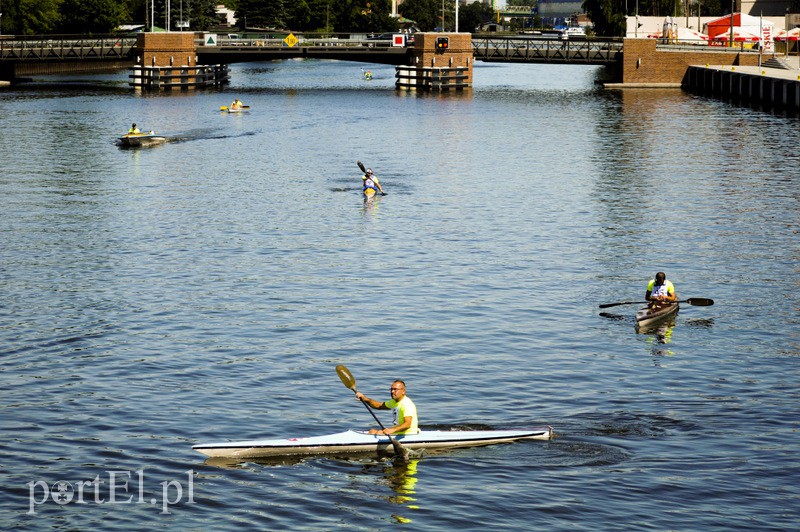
<point>262,14</point>
<point>31,17</point>
<point>92,16</point>
<point>371,16</point>
<point>608,16</point>
<point>475,14</point>
<point>426,13</point>
<point>201,14</point>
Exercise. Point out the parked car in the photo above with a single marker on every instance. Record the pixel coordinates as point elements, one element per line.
<point>390,37</point>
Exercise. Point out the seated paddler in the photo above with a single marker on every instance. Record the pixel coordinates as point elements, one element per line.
<point>403,408</point>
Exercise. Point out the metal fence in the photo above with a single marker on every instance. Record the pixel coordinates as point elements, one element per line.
<point>66,48</point>
<point>540,50</point>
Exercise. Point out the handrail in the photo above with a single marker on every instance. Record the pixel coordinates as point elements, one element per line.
<point>66,47</point>
<point>596,51</point>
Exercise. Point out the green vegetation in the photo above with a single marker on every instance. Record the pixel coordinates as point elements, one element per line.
<point>32,17</point>
<point>608,16</point>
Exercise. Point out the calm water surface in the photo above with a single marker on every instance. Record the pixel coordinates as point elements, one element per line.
<point>204,290</point>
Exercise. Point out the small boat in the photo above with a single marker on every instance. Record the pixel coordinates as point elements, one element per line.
<point>140,139</point>
<point>353,441</point>
<point>574,33</point>
<point>647,315</point>
<point>370,192</point>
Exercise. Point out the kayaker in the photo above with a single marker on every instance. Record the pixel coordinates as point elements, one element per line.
<point>405,413</point>
<point>370,181</point>
<point>660,289</point>
<point>236,104</point>
<point>133,130</point>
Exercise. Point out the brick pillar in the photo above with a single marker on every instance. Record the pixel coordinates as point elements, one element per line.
<point>458,53</point>
<point>166,49</point>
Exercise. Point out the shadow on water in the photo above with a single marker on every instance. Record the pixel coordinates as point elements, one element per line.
<point>208,134</point>
<point>603,438</point>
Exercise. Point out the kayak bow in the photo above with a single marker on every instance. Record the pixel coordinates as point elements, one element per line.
<point>647,315</point>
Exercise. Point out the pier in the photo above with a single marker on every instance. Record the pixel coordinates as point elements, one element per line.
<point>767,88</point>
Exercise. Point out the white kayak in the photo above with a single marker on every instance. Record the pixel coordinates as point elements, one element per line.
<point>353,441</point>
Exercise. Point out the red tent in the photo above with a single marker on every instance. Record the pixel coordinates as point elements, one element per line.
<point>791,35</point>
<point>743,24</point>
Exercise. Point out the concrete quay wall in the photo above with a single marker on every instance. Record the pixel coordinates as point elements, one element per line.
<point>767,88</point>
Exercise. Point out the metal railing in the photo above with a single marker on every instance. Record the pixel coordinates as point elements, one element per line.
<point>66,48</point>
<point>497,48</point>
<point>543,50</point>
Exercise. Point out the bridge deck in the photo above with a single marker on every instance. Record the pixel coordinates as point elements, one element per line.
<point>21,50</point>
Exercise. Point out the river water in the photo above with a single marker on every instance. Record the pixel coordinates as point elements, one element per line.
<point>205,289</point>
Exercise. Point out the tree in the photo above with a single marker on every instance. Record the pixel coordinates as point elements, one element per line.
<point>201,14</point>
<point>426,13</point>
<point>372,16</point>
<point>262,14</point>
<point>92,16</point>
<point>608,16</point>
<point>475,14</point>
<point>30,17</point>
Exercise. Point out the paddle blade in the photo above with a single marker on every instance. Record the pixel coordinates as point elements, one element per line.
<point>399,450</point>
<point>606,305</point>
<point>223,108</point>
<point>700,301</point>
<point>361,165</point>
<point>346,377</point>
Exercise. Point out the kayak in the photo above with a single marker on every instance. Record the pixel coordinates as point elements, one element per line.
<point>647,316</point>
<point>234,109</point>
<point>140,139</point>
<point>353,441</point>
<point>369,192</point>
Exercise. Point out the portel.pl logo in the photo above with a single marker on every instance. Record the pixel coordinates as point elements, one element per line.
<point>119,487</point>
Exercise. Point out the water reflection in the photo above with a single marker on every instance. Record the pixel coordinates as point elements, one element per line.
<point>660,334</point>
<point>401,476</point>
<point>371,204</point>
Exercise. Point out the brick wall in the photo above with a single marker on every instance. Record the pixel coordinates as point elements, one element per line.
<point>458,53</point>
<point>166,49</point>
<point>643,63</point>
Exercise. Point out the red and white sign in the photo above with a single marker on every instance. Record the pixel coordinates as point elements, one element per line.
<point>399,39</point>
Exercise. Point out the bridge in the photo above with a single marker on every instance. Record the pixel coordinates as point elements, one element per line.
<point>25,55</point>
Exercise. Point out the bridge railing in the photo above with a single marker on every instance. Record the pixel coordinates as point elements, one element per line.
<point>303,40</point>
<point>66,47</point>
<point>523,49</point>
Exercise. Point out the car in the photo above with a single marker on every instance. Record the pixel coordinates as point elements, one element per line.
<point>389,37</point>
<point>381,37</point>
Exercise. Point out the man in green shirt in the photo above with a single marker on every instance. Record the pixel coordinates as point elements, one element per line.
<point>405,412</point>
